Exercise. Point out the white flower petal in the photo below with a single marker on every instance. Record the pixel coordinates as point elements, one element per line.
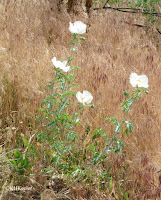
<point>77,27</point>
<point>86,93</point>
<point>85,97</point>
<point>79,96</point>
<point>72,28</point>
<point>60,64</point>
<point>133,78</point>
<point>140,81</point>
<point>54,62</point>
<point>89,99</point>
<point>66,68</point>
<point>144,78</point>
<point>64,62</point>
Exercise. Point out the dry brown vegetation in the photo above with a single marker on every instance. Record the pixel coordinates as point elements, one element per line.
<point>31,33</point>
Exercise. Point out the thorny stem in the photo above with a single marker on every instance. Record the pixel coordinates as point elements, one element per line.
<point>68,63</point>
<point>120,125</point>
<point>69,59</point>
<point>118,130</point>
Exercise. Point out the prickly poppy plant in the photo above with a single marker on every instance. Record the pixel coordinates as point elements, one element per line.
<point>60,134</point>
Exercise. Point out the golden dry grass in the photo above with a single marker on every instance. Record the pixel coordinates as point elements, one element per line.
<point>31,34</point>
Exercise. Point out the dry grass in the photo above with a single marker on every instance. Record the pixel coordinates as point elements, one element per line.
<point>31,34</point>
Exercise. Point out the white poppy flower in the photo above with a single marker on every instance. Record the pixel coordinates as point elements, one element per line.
<point>85,97</point>
<point>60,64</point>
<point>77,27</point>
<point>140,81</point>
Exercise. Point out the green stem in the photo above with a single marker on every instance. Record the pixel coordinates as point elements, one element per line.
<point>82,109</point>
<point>65,88</point>
<point>118,130</point>
<point>137,96</point>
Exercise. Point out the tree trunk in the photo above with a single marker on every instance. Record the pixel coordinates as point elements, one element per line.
<point>75,6</point>
<point>59,4</point>
<point>56,4</point>
<point>89,5</point>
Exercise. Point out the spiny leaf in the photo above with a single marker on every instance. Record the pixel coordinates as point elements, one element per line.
<point>126,94</point>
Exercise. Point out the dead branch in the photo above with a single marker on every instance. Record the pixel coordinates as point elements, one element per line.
<point>130,10</point>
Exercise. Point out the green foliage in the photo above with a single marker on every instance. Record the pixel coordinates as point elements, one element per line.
<point>71,136</point>
<point>60,124</point>
<point>114,144</point>
<point>28,145</point>
<point>146,5</point>
<point>104,179</point>
<point>61,147</point>
<point>21,163</point>
<point>126,94</point>
<point>129,126</point>
<point>99,2</point>
<point>96,155</point>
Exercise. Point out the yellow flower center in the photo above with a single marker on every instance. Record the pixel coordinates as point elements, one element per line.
<point>139,81</point>
<point>83,99</point>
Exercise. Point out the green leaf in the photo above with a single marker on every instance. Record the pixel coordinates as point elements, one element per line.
<point>71,136</point>
<point>82,38</point>
<point>81,105</point>
<point>72,85</point>
<point>47,171</point>
<point>127,104</point>
<point>127,195</point>
<point>110,185</point>
<point>42,110</point>
<point>126,94</point>
<point>91,105</point>
<point>76,170</point>
<point>69,93</point>
<point>96,157</point>
<point>52,124</point>
<point>74,68</point>
<point>48,103</point>
<point>117,129</point>
<point>71,43</point>
<point>52,83</point>
<point>106,138</point>
<point>74,49</point>
<point>17,154</point>
<point>107,149</point>
<point>42,137</point>
<point>101,131</point>
<point>27,144</point>
<point>92,147</point>
<point>70,77</point>
<point>129,126</point>
<point>117,148</point>
<point>70,59</point>
<point>75,36</point>
<point>114,120</point>
<point>98,130</point>
<point>96,135</point>
<point>13,162</point>
<point>63,106</point>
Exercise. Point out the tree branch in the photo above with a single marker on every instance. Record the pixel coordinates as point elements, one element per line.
<point>130,10</point>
